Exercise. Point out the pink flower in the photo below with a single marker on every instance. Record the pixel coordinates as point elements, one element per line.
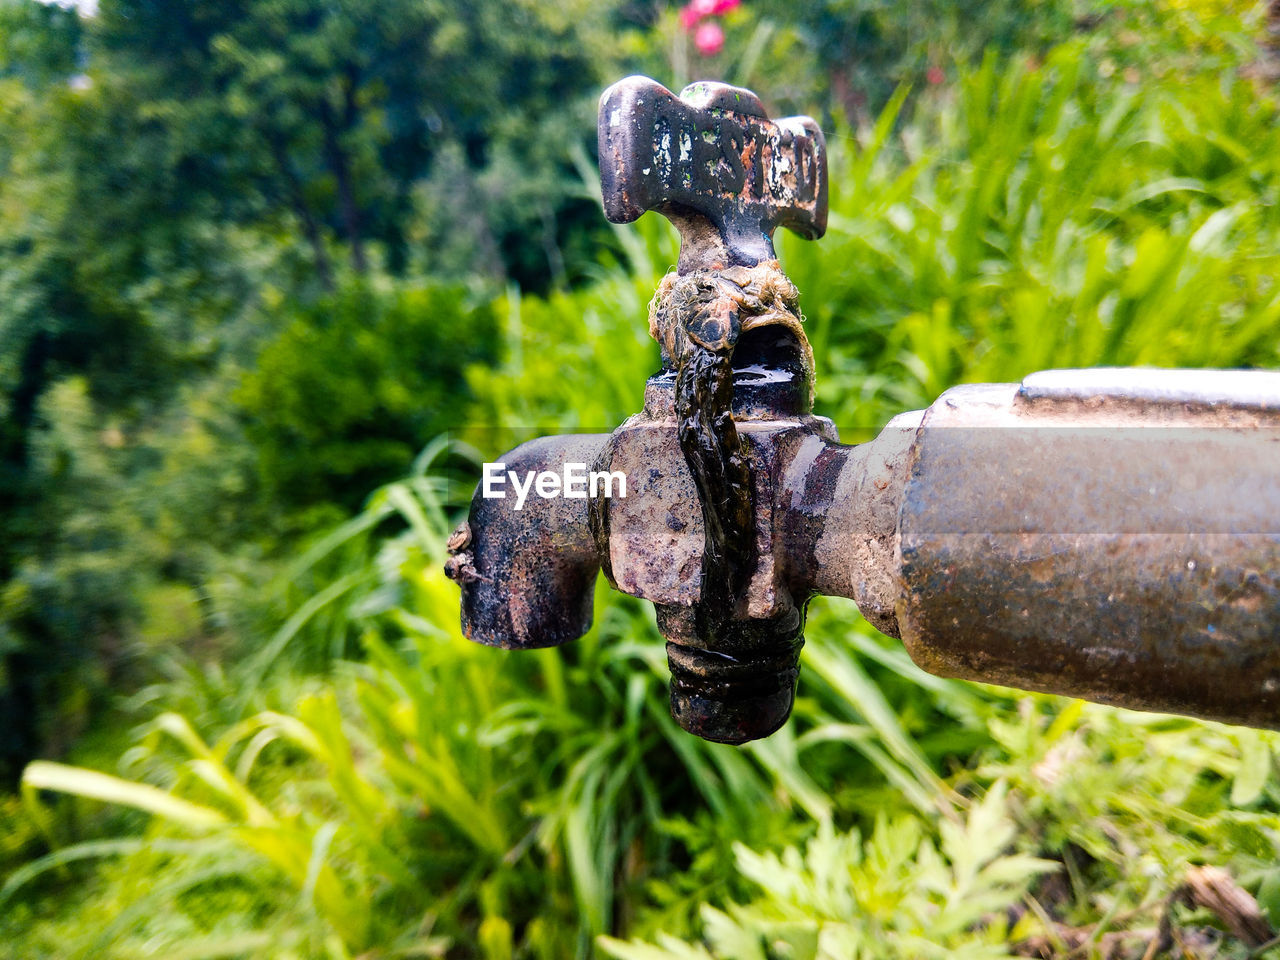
<point>709,39</point>
<point>935,75</point>
<point>695,10</point>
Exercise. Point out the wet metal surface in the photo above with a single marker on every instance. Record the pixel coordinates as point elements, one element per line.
<point>698,536</point>
<point>527,575</point>
<point>727,176</point>
<point>1108,534</point>
<point>713,163</point>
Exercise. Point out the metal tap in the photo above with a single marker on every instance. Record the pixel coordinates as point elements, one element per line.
<point>1107,534</point>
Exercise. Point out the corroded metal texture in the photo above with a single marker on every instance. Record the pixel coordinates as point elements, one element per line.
<point>738,299</point>
<point>652,540</point>
<point>736,682</point>
<point>1081,533</point>
<point>1106,534</point>
<point>1111,535</point>
<point>841,518</point>
<point>696,533</point>
<point>713,163</point>
<point>527,574</point>
<point>715,454</point>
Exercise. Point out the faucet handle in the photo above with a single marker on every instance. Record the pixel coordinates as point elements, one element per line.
<point>713,163</point>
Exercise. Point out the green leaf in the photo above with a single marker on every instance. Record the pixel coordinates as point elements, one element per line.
<point>45,775</point>
<point>1254,769</point>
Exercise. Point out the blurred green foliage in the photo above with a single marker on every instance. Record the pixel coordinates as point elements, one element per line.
<point>223,223</point>
<point>254,256</point>
<point>342,397</point>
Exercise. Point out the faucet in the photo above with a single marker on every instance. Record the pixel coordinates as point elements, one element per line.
<point>1107,534</point>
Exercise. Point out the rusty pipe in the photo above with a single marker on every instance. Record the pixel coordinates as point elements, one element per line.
<point>1106,534</point>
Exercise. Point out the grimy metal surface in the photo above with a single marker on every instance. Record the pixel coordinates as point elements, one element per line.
<point>527,575</point>
<point>727,176</point>
<point>1108,534</point>
<point>714,164</point>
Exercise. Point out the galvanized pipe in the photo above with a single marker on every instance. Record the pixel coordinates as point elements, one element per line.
<point>1112,535</point>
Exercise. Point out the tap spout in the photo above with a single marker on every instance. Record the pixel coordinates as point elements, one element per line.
<point>527,567</point>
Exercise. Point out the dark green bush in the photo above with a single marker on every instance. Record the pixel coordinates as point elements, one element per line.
<point>356,383</point>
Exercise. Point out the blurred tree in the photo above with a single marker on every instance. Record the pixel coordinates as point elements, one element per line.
<point>332,113</point>
<point>171,174</point>
<point>39,43</point>
<point>356,383</point>
<point>847,56</point>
